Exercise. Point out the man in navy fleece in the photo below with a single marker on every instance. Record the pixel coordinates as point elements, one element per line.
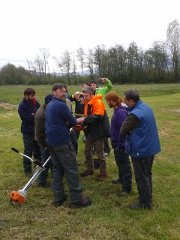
<point>59,120</point>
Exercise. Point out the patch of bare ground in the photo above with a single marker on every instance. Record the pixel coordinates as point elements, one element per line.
<point>7,106</point>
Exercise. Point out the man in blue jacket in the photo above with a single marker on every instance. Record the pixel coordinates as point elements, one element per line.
<point>142,143</point>
<point>27,109</point>
<point>58,122</point>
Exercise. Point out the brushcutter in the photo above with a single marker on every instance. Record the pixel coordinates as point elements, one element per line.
<point>36,162</point>
<point>20,196</point>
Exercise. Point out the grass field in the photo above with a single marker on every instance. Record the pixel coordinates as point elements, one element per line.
<point>108,217</point>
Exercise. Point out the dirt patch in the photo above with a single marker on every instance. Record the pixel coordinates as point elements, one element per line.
<point>171,110</point>
<point>7,106</point>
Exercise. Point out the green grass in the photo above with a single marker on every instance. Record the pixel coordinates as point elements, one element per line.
<point>108,217</point>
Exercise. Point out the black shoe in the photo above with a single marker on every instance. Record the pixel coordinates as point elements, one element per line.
<point>116,181</point>
<point>138,205</point>
<point>84,202</point>
<point>59,203</point>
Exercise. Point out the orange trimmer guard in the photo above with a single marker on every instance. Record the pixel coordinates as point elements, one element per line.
<point>17,197</point>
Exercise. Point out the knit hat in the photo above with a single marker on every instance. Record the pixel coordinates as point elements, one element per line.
<point>48,98</point>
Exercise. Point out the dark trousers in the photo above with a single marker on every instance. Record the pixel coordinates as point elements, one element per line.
<point>31,148</point>
<point>64,163</point>
<point>44,174</point>
<point>74,140</point>
<point>106,146</point>
<point>124,168</point>
<point>143,176</point>
<point>99,145</point>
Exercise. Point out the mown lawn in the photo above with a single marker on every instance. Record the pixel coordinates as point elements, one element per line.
<point>108,217</point>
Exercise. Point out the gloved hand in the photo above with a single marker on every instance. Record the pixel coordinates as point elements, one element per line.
<point>78,127</point>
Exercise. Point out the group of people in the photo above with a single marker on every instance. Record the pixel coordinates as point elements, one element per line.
<point>53,130</point>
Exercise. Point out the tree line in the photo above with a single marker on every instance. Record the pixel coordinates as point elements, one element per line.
<point>159,64</point>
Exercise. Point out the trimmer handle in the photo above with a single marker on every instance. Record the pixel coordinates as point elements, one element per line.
<point>15,150</point>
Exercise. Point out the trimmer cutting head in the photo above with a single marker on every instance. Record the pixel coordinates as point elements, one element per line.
<point>17,197</point>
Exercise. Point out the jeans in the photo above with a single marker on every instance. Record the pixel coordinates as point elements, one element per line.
<point>124,167</point>
<point>31,148</point>
<point>44,174</point>
<point>64,163</point>
<point>106,146</point>
<point>143,176</point>
<point>74,140</point>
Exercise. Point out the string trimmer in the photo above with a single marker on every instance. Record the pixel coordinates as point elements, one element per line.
<point>20,196</point>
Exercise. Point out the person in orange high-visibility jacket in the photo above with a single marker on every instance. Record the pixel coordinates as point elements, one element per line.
<point>94,111</point>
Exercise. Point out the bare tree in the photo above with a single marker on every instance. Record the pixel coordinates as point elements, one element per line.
<point>66,63</point>
<point>90,63</point>
<point>59,65</point>
<point>31,66</point>
<point>81,58</point>
<point>173,40</point>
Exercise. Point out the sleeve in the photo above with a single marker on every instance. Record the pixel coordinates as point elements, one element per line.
<point>40,131</point>
<point>108,86</point>
<point>25,114</point>
<point>129,124</point>
<point>71,120</point>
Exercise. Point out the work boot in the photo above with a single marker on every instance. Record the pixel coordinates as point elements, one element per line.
<point>101,177</point>
<point>84,202</point>
<point>86,173</point>
<point>59,203</point>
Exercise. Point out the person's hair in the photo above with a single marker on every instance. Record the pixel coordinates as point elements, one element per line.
<point>132,94</point>
<point>48,98</point>
<point>88,89</point>
<point>114,97</point>
<point>58,86</point>
<point>29,91</point>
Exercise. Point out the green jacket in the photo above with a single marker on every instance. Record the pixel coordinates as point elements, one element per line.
<point>105,89</point>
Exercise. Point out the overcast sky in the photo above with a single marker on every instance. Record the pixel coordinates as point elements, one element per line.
<point>59,25</point>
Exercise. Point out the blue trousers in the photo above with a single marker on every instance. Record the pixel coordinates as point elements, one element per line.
<point>31,148</point>
<point>64,164</point>
<point>44,175</point>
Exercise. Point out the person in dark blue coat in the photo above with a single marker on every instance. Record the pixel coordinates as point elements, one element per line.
<point>142,143</point>
<point>27,109</point>
<point>58,122</point>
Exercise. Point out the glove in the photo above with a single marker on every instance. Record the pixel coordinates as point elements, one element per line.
<point>78,127</point>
